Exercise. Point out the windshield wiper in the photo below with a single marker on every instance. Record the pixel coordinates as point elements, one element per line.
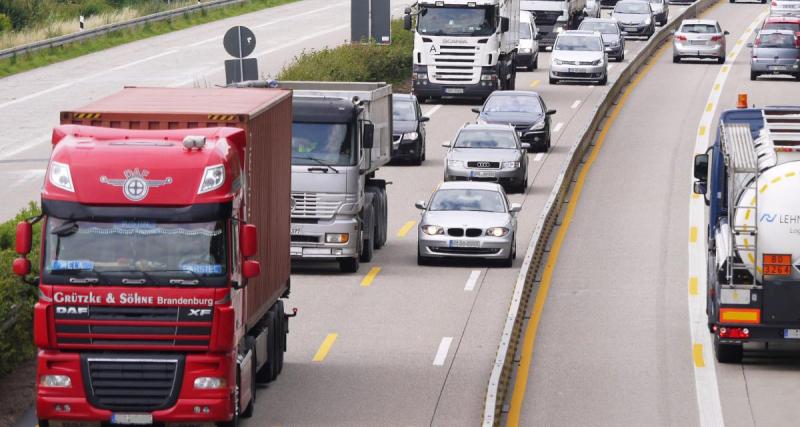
<point>198,279</point>
<point>314,159</point>
<point>66,229</point>
<point>98,276</point>
<point>148,278</point>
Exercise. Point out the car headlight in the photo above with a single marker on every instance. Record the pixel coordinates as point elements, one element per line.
<point>558,61</point>
<point>647,21</point>
<point>497,231</point>
<point>209,383</point>
<point>455,163</point>
<point>514,164</point>
<point>432,230</point>
<point>60,176</point>
<point>538,126</point>
<point>213,178</point>
<point>597,62</point>
<point>59,381</point>
<point>559,29</point>
<point>525,50</point>
<point>411,136</point>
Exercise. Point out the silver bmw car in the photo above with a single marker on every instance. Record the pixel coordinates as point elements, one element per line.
<point>467,219</point>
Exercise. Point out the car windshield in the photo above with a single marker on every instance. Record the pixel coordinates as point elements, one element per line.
<point>633,7</point>
<point>404,111</point>
<point>326,143</point>
<point>775,40</point>
<point>782,26</point>
<point>457,21</point>
<point>99,248</point>
<point>514,104</point>
<point>699,28</point>
<point>486,139</point>
<point>467,200</point>
<point>525,31</point>
<point>600,27</point>
<point>579,43</point>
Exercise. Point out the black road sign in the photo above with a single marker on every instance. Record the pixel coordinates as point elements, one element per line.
<point>239,42</point>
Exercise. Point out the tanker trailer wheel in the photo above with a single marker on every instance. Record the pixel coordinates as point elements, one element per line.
<point>369,228</point>
<point>727,353</point>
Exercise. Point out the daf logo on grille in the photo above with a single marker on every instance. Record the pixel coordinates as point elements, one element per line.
<point>484,164</point>
<point>72,310</point>
<point>135,187</point>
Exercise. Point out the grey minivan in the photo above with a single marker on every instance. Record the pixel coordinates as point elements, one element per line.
<point>775,52</point>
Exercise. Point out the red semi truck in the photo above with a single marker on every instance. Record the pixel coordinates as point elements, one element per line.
<point>158,303</point>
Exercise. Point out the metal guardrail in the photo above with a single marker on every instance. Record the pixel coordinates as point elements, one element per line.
<point>105,29</point>
<point>502,368</point>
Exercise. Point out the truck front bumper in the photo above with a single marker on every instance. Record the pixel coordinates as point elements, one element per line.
<point>426,88</point>
<point>309,240</point>
<point>71,405</point>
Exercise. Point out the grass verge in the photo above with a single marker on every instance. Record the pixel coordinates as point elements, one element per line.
<point>40,58</point>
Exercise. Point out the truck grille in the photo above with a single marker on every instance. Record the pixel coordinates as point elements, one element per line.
<point>313,205</point>
<point>454,64</point>
<point>133,383</point>
<point>178,328</point>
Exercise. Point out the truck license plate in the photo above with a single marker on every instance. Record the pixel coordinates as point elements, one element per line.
<point>465,244</point>
<point>454,90</point>
<point>792,334</point>
<point>138,419</point>
<point>295,231</point>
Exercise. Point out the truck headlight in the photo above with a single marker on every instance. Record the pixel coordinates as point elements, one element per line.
<point>411,136</point>
<point>209,383</point>
<point>455,163</point>
<point>421,76</point>
<point>538,126</point>
<point>60,176</point>
<point>514,164</point>
<point>59,381</point>
<point>337,237</point>
<point>213,178</point>
<point>432,230</point>
<point>497,231</point>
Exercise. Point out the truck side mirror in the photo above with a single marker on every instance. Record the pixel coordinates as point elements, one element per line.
<point>504,24</point>
<point>251,269</point>
<point>407,22</point>
<point>369,134</point>
<point>21,267</point>
<point>24,237</point>
<point>701,167</point>
<point>700,187</point>
<point>249,240</point>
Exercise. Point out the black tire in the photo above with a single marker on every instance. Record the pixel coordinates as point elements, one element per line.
<point>753,75</point>
<point>368,249</point>
<point>423,150</point>
<point>509,261</point>
<point>721,60</point>
<point>349,265</point>
<point>553,81</point>
<point>421,260</point>
<point>604,81</point>
<point>727,353</point>
<point>797,76</point>
<point>512,82</point>
<point>676,59</point>
<point>535,62</point>
<point>381,210</point>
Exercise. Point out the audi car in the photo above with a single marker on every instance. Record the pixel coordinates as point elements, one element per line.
<point>467,220</point>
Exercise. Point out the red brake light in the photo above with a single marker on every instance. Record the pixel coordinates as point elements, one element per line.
<point>734,333</point>
<point>716,38</point>
<point>681,38</point>
<point>774,3</point>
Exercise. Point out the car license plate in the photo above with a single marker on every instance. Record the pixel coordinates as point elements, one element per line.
<point>777,67</point>
<point>465,244</point>
<point>484,174</point>
<point>454,90</point>
<point>697,42</point>
<point>137,419</point>
<point>792,334</point>
<point>631,29</point>
<point>577,70</point>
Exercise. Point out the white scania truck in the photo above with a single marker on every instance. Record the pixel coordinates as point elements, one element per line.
<point>750,178</point>
<point>554,16</point>
<point>463,48</point>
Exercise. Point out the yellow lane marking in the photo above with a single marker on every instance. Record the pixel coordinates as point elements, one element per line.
<point>709,107</point>
<point>790,174</point>
<point>739,41</point>
<point>693,286</point>
<point>764,188</point>
<point>370,276</point>
<point>529,337</point>
<point>775,181</point>
<point>717,87</point>
<point>406,228</point>
<point>535,83</point>
<point>693,235</point>
<point>325,347</point>
<point>725,69</point>
<point>702,130</point>
<point>697,355</point>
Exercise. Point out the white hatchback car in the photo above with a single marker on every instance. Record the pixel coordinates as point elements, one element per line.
<point>579,56</point>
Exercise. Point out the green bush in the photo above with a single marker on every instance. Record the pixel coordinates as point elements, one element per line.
<point>16,297</point>
<point>357,62</point>
<point>5,23</point>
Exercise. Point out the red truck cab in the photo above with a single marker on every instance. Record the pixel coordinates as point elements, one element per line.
<point>158,302</point>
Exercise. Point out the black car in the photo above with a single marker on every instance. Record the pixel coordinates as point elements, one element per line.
<point>408,140</point>
<point>524,110</point>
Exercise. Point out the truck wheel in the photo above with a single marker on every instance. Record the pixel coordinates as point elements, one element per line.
<point>727,353</point>
<point>349,265</point>
<point>380,204</point>
<point>44,423</point>
<point>368,248</point>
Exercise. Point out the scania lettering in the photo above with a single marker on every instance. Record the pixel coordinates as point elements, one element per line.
<point>750,178</point>
<point>158,303</point>
<point>463,49</point>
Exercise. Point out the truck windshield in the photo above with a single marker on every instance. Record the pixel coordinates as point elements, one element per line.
<point>135,252</point>
<point>457,21</point>
<point>322,143</point>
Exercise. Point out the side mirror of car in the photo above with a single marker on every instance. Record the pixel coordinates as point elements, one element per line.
<point>701,167</point>
<point>726,32</point>
<point>446,144</point>
<point>421,205</point>
<point>526,146</point>
<point>476,110</point>
<point>551,112</point>
<point>515,207</point>
<point>424,119</point>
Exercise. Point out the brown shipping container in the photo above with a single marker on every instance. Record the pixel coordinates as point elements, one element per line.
<point>266,115</point>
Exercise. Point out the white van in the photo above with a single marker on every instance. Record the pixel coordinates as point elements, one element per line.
<point>528,50</point>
